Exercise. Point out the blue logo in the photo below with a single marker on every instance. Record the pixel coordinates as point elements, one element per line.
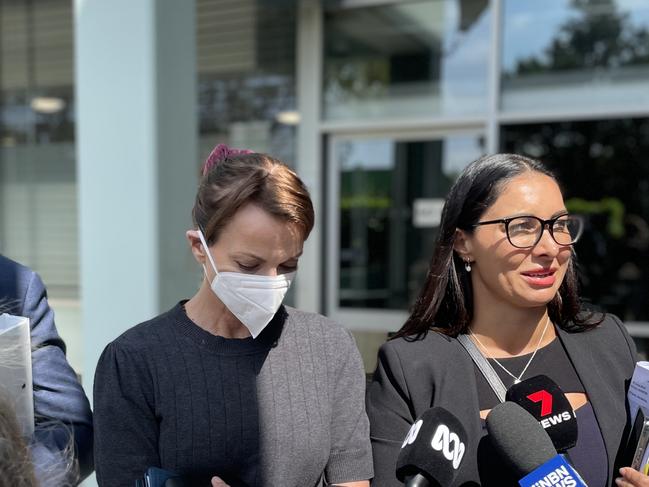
<point>556,472</point>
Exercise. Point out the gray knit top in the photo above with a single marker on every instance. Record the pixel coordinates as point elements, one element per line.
<point>284,409</point>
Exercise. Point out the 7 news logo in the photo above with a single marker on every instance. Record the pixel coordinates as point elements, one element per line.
<point>546,400</point>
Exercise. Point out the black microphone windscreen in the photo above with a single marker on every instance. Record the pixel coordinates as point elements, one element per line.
<point>518,438</point>
<point>544,399</point>
<point>434,448</point>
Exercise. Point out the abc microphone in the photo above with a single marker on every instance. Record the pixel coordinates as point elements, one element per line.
<point>524,445</point>
<point>432,451</point>
<point>543,398</point>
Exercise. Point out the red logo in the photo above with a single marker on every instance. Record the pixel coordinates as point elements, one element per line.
<point>545,398</point>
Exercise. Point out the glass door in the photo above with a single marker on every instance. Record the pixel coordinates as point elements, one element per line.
<point>386,194</point>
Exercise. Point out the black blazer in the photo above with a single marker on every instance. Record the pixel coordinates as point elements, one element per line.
<point>412,376</point>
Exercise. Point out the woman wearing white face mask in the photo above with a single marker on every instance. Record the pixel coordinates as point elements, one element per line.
<point>231,387</point>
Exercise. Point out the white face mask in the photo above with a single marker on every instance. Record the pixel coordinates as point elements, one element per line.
<point>253,299</point>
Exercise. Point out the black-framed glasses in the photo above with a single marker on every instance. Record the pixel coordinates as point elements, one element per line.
<point>524,232</point>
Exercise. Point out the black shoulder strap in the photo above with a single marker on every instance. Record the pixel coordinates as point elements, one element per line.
<point>487,370</point>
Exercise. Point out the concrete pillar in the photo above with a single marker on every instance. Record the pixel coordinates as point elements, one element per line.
<point>309,282</point>
<point>136,161</point>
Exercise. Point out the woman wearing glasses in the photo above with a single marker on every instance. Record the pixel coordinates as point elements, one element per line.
<point>503,277</point>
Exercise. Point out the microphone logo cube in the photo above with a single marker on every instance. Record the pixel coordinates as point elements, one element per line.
<point>545,400</point>
<point>433,447</point>
<point>556,472</point>
<point>442,441</point>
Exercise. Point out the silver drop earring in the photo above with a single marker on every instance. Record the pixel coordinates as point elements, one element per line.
<point>467,265</point>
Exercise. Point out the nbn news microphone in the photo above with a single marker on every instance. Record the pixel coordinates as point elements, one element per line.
<point>432,451</point>
<point>525,446</point>
<point>543,398</point>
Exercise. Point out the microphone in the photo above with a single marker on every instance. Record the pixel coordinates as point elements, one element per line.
<point>528,450</point>
<point>433,450</point>
<point>543,398</point>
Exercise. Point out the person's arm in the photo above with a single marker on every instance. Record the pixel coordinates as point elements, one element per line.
<point>126,429</point>
<point>61,409</point>
<point>350,458</point>
<point>389,411</point>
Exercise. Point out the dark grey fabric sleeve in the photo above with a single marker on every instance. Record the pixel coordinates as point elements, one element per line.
<point>126,431</point>
<point>389,411</point>
<point>633,353</point>
<point>350,458</point>
<point>61,409</point>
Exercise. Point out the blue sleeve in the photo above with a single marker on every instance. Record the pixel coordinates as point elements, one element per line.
<point>61,409</point>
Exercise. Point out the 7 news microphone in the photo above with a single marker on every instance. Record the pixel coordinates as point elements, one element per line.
<point>432,451</point>
<point>543,398</point>
<point>528,450</point>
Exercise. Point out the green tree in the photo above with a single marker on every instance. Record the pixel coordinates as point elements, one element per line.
<point>598,37</point>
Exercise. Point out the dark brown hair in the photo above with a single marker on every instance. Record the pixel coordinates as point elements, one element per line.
<point>240,179</point>
<point>445,303</point>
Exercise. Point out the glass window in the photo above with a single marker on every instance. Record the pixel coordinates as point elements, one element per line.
<point>37,154</point>
<point>406,59</point>
<point>246,75</point>
<point>604,168</point>
<point>391,196</point>
<point>561,54</point>
<point>38,186</point>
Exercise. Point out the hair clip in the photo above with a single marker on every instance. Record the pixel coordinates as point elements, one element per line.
<point>219,154</point>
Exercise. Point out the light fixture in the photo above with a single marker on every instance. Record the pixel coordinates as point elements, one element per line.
<point>8,141</point>
<point>288,117</point>
<point>47,104</point>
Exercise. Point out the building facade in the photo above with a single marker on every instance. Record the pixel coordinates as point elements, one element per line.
<point>108,108</point>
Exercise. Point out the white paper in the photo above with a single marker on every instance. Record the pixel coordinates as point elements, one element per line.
<point>16,369</point>
<point>639,389</point>
<point>638,396</point>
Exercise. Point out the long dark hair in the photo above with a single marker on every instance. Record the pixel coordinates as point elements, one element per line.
<point>445,303</point>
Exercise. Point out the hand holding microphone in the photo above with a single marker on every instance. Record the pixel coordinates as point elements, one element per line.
<point>432,451</point>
